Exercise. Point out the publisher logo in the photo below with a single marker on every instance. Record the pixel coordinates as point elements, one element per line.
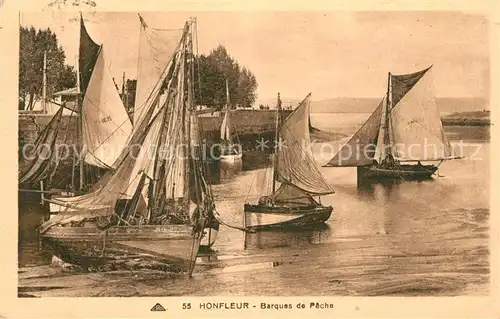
<point>158,307</point>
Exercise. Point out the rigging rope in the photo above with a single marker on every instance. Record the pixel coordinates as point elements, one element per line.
<point>218,217</point>
<point>250,188</point>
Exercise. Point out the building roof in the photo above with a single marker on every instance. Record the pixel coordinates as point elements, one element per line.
<point>67,92</point>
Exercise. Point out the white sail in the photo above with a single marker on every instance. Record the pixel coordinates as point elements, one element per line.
<point>105,124</point>
<point>156,47</point>
<point>296,163</point>
<point>225,130</point>
<point>416,129</point>
<point>360,149</point>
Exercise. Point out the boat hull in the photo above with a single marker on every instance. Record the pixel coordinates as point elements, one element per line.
<point>272,217</point>
<point>231,158</point>
<point>211,230</point>
<point>402,171</point>
<point>88,246</point>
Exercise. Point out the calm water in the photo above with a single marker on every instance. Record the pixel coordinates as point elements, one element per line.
<point>406,238</point>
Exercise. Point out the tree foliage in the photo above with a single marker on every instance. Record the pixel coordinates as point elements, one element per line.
<point>33,44</point>
<point>213,71</point>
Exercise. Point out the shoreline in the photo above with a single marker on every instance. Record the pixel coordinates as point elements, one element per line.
<point>472,118</point>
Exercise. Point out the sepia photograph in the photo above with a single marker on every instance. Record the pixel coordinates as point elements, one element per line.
<point>279,153</point>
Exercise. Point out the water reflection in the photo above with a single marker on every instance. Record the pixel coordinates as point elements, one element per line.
<point>218,172</point>
<point>287,238</point>
<point>390,237</point>
<point>254,160</point>
<point>31,215</point>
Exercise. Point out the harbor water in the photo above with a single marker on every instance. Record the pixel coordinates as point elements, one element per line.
<point>403,238</point>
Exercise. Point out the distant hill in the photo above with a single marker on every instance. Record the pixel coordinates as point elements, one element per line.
<point>367,105</point>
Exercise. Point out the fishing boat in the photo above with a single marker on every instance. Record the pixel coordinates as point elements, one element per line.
<point>230,152</point>
<point>156,46</point>
<point>103,126</point>
<point>102,129</point>
<point>292,203</point>
<point>155,205</point>
<point>403,131</point>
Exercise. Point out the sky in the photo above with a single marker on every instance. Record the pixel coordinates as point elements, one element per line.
<point>331,54</point>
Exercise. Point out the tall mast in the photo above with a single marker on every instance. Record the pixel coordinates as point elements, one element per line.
<point>227,95</point>
<point>44,93</point>
<point>388,108</point>
<point>125,92</point>
<point>78,93</point>
<point>277,144</point>
<point>80,120</point>
<point>193,149</point>
<point>44,108</point>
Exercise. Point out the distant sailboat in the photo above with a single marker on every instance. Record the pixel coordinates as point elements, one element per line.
<point>41,162</point>
<point>163,157</point>
<point>405,127</point>
<point>292,203</point>
<point>230,152</point>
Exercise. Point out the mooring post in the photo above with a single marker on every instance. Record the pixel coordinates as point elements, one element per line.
<point>359,175</point>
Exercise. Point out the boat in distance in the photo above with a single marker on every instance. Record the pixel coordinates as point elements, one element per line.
<point>295,169</point>
<point>401,133</point>
<point>230,152</point>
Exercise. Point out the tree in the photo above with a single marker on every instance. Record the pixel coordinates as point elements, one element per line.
<point>33,44</point>
<point>214,70</point>
<point>247,84</point>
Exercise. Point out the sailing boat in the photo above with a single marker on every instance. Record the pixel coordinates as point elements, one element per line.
<point>229,151</point>
<point>163,156</point>
<point>405,127</point>
<point>41,161</point>
<point>103,123</point>
<point>156,46</point>
<point>102,128</point>
<point>292,203</point>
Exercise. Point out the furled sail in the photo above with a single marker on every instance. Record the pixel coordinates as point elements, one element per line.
<point>225,129</point>
<point>156,47</point>
<point>360,149</point>
<point>102,201</point>
<point>296,163</point>
<point>105,124</point>
<point>177,152</point>
<point>42,159</point>
<point>415,123</point>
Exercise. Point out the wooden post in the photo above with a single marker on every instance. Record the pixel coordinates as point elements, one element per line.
<point>42,196</point>
<point>359,175</point>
